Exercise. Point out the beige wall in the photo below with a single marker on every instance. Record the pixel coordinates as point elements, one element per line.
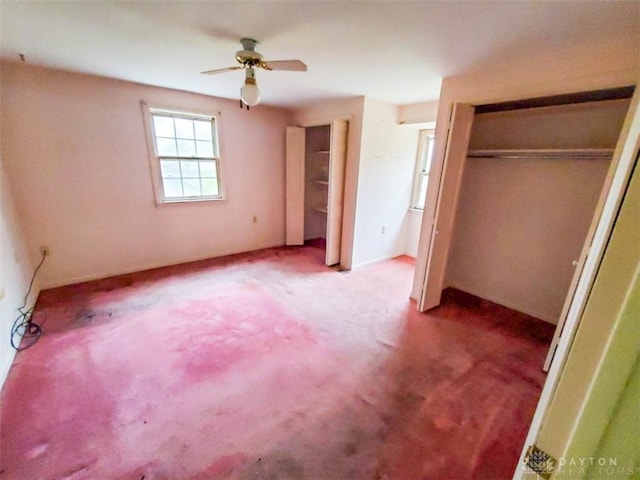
<point>521,223</point>
<point>75,153</point>
<point>418,113</point>
<point>385,180</point>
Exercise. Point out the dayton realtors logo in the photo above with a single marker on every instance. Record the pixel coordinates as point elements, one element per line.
<point>596,467</point>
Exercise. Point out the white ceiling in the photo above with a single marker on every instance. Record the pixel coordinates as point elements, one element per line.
<point>393,51</point>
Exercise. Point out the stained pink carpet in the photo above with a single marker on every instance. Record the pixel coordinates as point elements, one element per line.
<point>269,365</point>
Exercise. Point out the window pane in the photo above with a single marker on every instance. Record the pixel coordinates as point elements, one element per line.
<point>208,169</point>
<point>203,130</point>
<point>166,147</point>
<point>172,188</point>
<point>186,148</point>
<point>191,187</point>
<point>209,186</point>
<point>163,126</point>
<point>429,155</point>
<point>170,168</point>
<point>184,128</point>
<point>424,181</point>
<point>189,169</point>
<point>205,149</point>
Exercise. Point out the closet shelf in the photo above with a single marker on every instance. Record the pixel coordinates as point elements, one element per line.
<point>321,209</point>
<point>322,182</point>
<point>550,154</point>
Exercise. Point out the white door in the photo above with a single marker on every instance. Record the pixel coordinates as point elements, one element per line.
<point>295,157</point>
<point>335,198</point>
<point>579,263</point>
<point>623,161</point>
<point>449,186</point>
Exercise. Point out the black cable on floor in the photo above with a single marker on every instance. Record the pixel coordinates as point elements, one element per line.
<point>23,327</point>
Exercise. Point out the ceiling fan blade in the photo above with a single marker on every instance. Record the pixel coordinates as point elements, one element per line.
<point>291,65</point>
<point>221,70</point>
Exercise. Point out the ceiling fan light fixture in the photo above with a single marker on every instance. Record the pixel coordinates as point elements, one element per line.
<point>248,60</point>
<point>250,93</point>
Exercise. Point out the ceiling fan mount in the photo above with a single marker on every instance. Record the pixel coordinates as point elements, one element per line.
<point>248,57</point>
<point>249,60</point>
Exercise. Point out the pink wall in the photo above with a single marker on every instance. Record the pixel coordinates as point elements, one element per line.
<point>16,269</point>
<point>75,155</point>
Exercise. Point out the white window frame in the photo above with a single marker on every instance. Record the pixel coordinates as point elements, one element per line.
<point>155,158</point>
<point>421,174</point>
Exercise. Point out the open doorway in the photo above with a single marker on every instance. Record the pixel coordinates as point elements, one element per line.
<point>316,162</point>
<point>530,189</point>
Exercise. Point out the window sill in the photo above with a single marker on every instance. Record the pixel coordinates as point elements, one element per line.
<point>416,210</point>
<point>182,201</point>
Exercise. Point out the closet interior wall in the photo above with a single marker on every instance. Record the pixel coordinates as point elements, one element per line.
<point>317,145</point>
<point>521,222</point>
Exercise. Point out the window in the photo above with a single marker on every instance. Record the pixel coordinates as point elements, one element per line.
<point>186,163</point>
<point>423,164</point>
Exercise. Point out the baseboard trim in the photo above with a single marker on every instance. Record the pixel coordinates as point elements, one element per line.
<point>539,315</point>
<point>141,268</point>
<point>375,260</point>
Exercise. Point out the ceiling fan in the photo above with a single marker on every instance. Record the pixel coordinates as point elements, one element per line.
<point>249,60</point>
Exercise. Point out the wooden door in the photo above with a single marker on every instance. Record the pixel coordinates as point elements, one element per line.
<point>449,187</point>
<point>295,158</point>
<point>335,198</point>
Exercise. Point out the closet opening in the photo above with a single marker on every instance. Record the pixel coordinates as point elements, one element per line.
<point>315,165</point>
<point>532,188</point>
<point>316,184</point>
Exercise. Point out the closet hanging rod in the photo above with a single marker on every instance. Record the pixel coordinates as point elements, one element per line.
<point>551,154</point>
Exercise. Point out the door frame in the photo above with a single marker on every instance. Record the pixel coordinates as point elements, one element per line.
<point>338,139</point>
<point>347,200</point>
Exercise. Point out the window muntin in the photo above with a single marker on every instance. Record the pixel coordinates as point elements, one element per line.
<point>423,166</point>
<point>186,150</point>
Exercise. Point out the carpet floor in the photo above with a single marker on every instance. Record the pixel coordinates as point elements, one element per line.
<point>269,365</point>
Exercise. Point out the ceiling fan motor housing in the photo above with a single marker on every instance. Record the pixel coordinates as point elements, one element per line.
<point>248,56</point>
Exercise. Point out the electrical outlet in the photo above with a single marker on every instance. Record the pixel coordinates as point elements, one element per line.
<point>384,230</point>
<point>44,250</point>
